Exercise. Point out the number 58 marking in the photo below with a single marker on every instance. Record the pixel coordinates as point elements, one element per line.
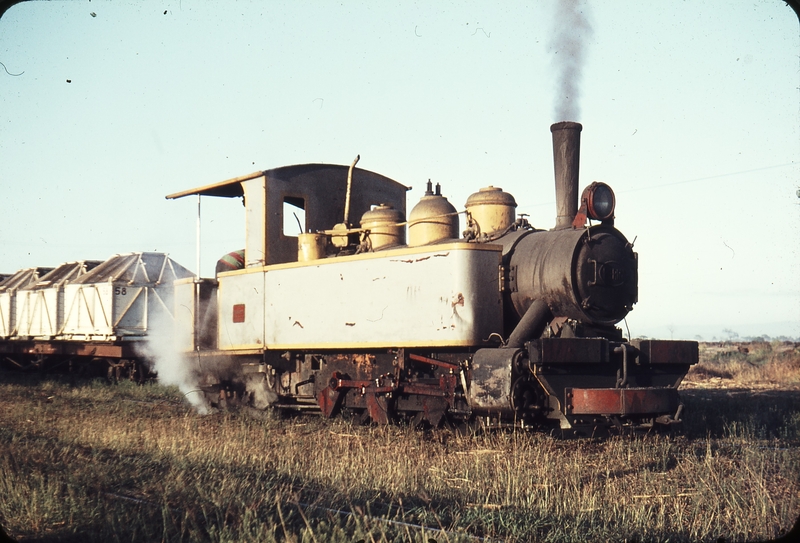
<point>120,291</point>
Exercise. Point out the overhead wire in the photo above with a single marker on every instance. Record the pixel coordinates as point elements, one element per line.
<point>682,182</point>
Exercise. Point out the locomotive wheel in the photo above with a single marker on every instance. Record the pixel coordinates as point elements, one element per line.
<point>468,427</point>
<point>418,420</point>
<point>527,399</point>
<point>361,417</point>
<point>347,414</point>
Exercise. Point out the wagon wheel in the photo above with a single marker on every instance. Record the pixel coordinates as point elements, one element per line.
<point>91,368</point>
<point>38,363</point>
<point>133,370</point>
<point>84,368</point>
<point>74,368</point>
<point>138,372</point>
<point>115,369</point>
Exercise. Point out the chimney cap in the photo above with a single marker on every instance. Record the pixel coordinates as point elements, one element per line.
<point>566,125</point>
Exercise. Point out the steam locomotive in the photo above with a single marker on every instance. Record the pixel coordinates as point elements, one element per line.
<point>504,323</point>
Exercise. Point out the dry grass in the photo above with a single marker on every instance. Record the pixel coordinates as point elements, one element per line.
<point>90,462</point>
<point>747,364</point>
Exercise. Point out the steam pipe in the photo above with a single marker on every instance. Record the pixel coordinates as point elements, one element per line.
<point>349,186</point>
<point>566,162</point>
<point>531,325</point>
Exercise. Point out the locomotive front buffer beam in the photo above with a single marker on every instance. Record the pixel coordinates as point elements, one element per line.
<point>583,384</point>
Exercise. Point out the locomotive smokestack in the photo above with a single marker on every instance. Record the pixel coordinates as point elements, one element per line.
<point>566,161</point>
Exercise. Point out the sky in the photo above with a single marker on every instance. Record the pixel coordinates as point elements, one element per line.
<point>690,112</point>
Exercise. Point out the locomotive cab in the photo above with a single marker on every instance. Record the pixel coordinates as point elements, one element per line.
<point>318,190</point>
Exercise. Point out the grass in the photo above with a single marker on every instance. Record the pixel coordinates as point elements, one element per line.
<point>85,461</point>
<point>748,363</point>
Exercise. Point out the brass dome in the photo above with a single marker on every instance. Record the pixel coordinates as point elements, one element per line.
<point>491,209</point>
<point>383,222</point>
<point>433,219</point>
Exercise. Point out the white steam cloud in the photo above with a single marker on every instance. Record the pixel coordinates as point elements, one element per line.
<point>172,366</point>
<point>571,32</point>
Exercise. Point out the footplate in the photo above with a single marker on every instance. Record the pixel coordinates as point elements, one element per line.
<point>620,401</point>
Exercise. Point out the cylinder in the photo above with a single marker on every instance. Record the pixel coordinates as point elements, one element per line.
<point>310,246</point>
<point>566,162</point>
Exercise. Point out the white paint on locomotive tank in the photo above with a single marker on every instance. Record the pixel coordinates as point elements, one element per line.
<point>453,300</point>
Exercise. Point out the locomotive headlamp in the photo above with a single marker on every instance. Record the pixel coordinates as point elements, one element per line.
<point>597,202</point>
